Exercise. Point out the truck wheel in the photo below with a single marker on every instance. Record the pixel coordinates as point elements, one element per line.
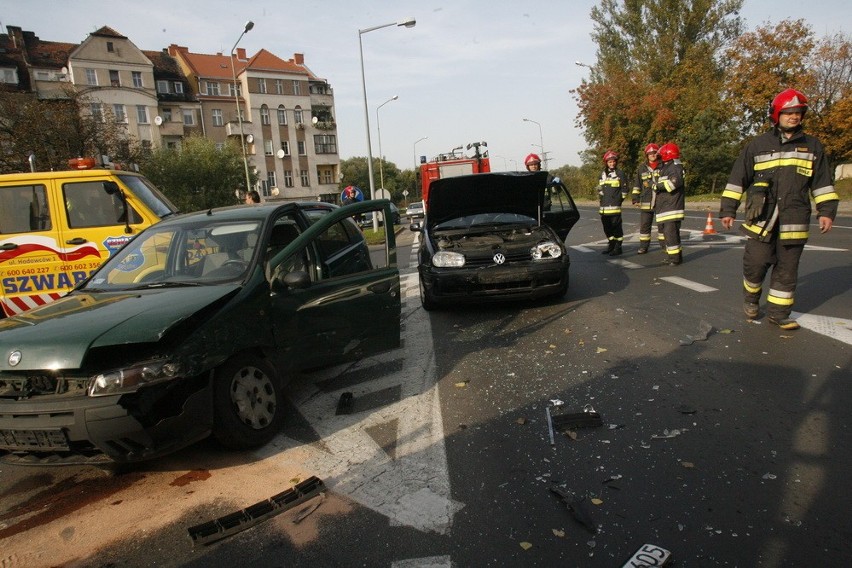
<point>247,403</point>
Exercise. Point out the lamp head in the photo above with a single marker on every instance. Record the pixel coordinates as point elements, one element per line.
<point>249,26</point>
<point>408,23</point>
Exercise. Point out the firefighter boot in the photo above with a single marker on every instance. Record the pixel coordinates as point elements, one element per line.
<point>643,247</point>
<point>609,247</point>
<point>751,309</point>
<point>676,259</point>
<point>785,323</point>
<point>616,250</point>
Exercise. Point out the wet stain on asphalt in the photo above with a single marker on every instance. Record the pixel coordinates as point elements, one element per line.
<point>61,499</point>
<point>28,484</point>
<point>191,476</point>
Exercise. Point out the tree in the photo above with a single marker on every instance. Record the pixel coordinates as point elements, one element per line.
<point>197,175</point>
<point>830,102</point>
<point>56,130</point>
<point>355,173</point>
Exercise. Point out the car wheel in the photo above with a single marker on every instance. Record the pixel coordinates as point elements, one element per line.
<point>247,403</point>
<point>426,300</point>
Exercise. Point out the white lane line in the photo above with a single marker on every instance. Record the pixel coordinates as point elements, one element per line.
<point>695,286</point>
<point>835,328</point>
<point>430,562</point>
<point>581,248</point>
<point>625,263</point>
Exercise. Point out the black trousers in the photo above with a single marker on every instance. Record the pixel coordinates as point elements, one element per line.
<point>671,231</point>
<point>612,227</point>
<point>783,259</point>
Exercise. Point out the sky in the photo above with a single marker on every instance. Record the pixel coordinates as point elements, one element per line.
<point>468,71</point>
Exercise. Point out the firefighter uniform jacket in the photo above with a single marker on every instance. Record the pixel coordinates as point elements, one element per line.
<point>670,198</point>
<point>643,186</point>
<point>612,189</point>
<point>794,168</point>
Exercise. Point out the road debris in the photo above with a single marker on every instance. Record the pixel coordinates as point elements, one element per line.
<point>649,555</point>
<point>704,331</point>
<point>667,434</point>
<point>578,507</point>
<point>345,404</point>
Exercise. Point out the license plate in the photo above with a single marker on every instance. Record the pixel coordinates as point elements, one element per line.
<point>649,555</point>
<point>33,440</point>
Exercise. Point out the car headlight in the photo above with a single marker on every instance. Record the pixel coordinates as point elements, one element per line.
<point>130,379</point>
<point>446,259</point>
<point>546,250</point>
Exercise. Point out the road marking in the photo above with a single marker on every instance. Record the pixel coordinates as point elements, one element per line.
<point>582,248</point>
<point>430,562</point>
<point>695,286</point>
<point>625,263</point>
<point>836,328</point>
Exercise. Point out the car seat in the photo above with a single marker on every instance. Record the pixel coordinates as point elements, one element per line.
<point>282,235</point>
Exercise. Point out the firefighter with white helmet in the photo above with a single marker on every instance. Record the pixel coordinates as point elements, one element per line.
<point>643,195</point>
<point>612,191</point>
<point>670,201</point>
<point>777,174</point>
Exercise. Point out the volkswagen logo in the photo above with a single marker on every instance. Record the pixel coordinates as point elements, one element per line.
<point>499,258</point>
<point>14,358</point>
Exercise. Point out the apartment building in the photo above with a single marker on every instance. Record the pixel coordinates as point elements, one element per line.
<point>283,113</point>
<point>286,118</point>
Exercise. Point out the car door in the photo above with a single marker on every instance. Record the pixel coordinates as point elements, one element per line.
<point>560,211</point>
<point>333,296</point>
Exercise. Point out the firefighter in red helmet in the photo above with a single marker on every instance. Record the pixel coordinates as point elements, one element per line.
<point>775,174</point>
<point>643,195</point>
<point>612,190</point>
<point>670,201</point>
<point>532,162</point>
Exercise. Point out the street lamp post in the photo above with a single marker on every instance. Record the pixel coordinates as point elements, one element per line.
<point>249,26</point>
<point>379,131</point>
<point>416,163</point>
<point>408,23</point>
<point>540,140</point>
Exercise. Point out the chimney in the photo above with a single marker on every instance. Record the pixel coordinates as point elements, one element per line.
<point>299,58</point>
<point>241,54</point>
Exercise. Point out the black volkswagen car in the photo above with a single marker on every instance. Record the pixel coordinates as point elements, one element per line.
<point>193,328</point>
<point>494,236</point>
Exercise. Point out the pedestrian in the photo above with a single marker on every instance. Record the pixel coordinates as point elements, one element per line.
<point>669,201</point>
<point>777,174</point>
<point>643,195</point>
<point>252,197</point>
<point>532,162</point>
<point>612,189</point>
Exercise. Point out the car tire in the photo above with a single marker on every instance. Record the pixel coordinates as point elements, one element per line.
<point>248,408</point>
<point>426,299</point>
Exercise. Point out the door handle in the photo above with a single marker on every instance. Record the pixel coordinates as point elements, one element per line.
<point>379,287</point>
<point>76,241</point>
<point>8,246</point>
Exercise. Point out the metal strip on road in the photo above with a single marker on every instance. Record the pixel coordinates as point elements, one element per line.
<point>695,286</point>
<point>835,328</point>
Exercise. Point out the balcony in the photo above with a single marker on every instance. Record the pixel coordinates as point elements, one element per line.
<point>233,128</point>
<point>170,128</point>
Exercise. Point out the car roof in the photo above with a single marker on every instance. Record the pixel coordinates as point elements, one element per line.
<point>259,211</point>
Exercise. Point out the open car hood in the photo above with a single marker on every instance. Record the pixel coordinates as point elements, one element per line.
<point>473,194</point>
<point>58,335</point>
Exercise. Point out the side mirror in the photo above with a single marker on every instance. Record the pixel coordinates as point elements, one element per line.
<point>298,280</point>
<point>415,226</point>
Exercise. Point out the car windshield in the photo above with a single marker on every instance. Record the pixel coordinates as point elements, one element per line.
<point>200,253</point>
<point>486,220</point>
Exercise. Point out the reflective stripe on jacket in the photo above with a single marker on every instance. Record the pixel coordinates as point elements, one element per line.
<point>670,199</point>
<point>643,186</point>
<point>612,189</point>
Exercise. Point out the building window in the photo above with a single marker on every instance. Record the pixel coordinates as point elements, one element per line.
<point>235,89</point>
<point>306,180</point>
<point>282,116</point>
<point>267,147</point>
<point>297,88</point>
<point>264,115</point>
<point>167,114</point>
<point>288,178</point>
<point>325,144</point>
<point>261,86</point>
<point>212,88</point>
<point>285,145</point>
<point>142,114</point>
<point>137,79</point>
<point>303,149</point>
<point>270,180</point>
<point>179,88</point>
<point>120,114</point>
<point>114,79</point>
<point>297,116</point>
<point>162,86</point>
<point>110,47</point>
<point>218,120</point>
<point>325,175</point>
<point>97,113</point>
<point>91,77</point>
<point>9,76</point>
<point>188,117</point>
<point>279,87</point>
<point>220,146</point>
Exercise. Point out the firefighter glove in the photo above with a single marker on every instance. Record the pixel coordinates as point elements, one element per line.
<point>757,199</point>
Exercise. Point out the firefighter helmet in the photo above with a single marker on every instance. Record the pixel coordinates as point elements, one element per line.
<point>789,99</point>
<point>669,151</point>
<point>652,148</point>
<point>532,159</point>
<point>610,155</point>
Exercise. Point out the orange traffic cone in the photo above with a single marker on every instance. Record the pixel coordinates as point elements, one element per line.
<point>708,228</point>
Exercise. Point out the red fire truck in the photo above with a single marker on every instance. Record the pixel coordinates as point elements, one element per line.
<point>454,163</point>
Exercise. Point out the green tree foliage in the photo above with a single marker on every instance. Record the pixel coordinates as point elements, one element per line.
<point>197,175</point>
<point>57,130</point>
<point>355,173</point>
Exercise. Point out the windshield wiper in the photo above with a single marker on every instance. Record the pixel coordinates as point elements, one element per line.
<point>173,284</point>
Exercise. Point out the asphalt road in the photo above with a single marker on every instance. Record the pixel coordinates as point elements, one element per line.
<point>722,441</point>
